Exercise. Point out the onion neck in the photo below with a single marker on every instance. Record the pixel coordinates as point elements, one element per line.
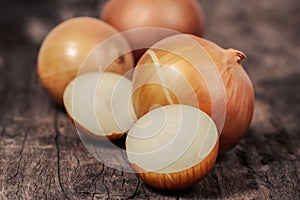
<point>238,55</point>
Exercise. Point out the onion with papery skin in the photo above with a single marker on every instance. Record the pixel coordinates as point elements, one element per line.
<point>65,48</point>
<point>184,69</point>
<point>184,16</point>
<point>100,104</point>
<point>173,147</point>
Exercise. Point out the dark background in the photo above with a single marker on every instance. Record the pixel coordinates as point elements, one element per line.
<point>41,155</point>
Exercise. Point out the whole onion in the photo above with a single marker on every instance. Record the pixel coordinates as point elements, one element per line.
<point>67,47</point>
<point>185,69</point>
<point>185,16</point>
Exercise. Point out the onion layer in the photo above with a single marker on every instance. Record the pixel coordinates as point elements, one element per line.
<point>173,147</point>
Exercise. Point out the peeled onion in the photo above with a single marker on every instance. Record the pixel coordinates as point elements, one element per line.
<point>173,147</point>
<point>100,104</point>
<point>67,46</point>
<point>185,69</point>
<point>184,16</point>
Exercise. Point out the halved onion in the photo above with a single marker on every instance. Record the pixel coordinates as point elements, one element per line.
<point>100,104</point>
<point>173,147</point>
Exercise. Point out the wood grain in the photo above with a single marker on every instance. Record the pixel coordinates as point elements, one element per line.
<point>42,157</point>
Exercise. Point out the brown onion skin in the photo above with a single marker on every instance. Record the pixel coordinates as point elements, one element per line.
<point>184,16</point>
<point>65,48</point>
<point>238,88</point>
<point>179,180</point>
<point>109,136</point>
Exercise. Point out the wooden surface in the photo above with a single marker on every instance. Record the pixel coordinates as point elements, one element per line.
<point>42,157</point>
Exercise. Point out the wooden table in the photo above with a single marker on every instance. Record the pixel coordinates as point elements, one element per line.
<point>42,157</point>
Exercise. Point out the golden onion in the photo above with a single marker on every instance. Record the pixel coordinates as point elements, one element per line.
<point>185,69</point>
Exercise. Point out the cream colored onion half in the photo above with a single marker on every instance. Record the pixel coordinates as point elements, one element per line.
<point>173,147</point>
<point>100,104</point>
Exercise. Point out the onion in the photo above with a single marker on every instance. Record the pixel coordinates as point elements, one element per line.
<point>181,16</point>
<point>173,147</point>
<point>66,47</point>
<point>185,69</point>
<point>100,104</point>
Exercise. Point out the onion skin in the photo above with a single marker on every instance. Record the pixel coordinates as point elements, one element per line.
<point>184,16</point>
<point>65,48</point>
<point>86,132</point>
<point>238,88</point>
<point>180,180</point>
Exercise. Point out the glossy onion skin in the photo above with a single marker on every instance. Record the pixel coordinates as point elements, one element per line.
<point>183,179</point>
<point>184,16</point>
<point>238,88</point>
<point>65,48</point>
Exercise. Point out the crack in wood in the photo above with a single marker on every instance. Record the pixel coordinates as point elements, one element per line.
<point>136,189</point>
<point>107,191</point>
<point>19,163</point>
<point>56,139</point>
<point>75,155</point>
<point>94,179</point>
